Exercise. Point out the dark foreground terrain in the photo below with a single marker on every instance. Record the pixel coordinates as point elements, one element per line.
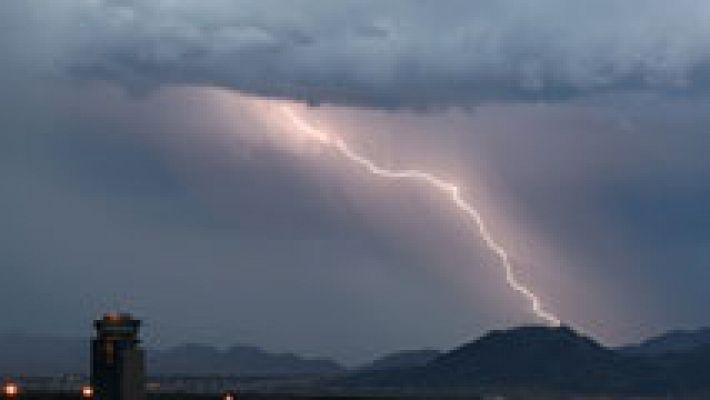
<point>557,360</point>
<point>507,396</point>
<point>165,396</point>
<point>241,396</point>
<point>526,363</point>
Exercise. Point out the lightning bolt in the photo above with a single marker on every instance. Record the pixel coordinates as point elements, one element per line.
<point>452,191</point>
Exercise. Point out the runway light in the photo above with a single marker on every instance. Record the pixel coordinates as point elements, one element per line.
<point>87,392</point>
<point>11,390</point>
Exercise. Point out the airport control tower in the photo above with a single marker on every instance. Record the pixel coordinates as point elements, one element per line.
<point>117,360</point>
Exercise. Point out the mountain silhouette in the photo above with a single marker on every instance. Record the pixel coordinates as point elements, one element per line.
<point>34,355</point>
<point>402,359</point>
<point>195,359</point>
<point>525,357</point>
<point>671,342</point>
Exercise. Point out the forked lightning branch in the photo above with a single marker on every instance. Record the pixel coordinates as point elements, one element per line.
<point>452,192</point>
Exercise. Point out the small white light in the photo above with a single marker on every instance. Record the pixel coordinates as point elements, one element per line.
<point>11,390</point>
<point>87,392</point>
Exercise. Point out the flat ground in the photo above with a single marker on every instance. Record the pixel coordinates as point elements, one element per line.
<point>74,396</point>
<point>178,396</point>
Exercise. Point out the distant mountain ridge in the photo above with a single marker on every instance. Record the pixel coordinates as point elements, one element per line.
<point>402,359</point>
<point>194,359</point>
<point>22,354</point>
<point>529,357</point>
<point>671,342</point>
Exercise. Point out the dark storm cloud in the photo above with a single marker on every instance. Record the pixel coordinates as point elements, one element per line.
<point>399,53</point>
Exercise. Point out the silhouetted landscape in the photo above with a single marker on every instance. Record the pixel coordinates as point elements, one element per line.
<point>531,358</point>
<point>558,359</point>
<point>44,355</point>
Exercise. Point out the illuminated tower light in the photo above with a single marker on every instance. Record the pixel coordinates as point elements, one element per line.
<point>451,190</point>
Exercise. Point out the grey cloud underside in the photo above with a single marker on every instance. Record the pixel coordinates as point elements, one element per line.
<point>397,53</point>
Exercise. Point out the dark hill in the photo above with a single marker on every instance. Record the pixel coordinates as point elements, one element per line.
<point>685,371</point>
<point>533,357</point>
<point>538,356</point>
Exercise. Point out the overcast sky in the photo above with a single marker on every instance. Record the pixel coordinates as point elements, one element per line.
<point>142,170</point>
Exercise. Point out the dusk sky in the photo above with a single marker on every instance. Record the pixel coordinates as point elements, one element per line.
<point>145,166</point>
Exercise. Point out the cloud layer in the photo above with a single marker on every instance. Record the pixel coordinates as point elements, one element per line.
<point>397,53</point>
